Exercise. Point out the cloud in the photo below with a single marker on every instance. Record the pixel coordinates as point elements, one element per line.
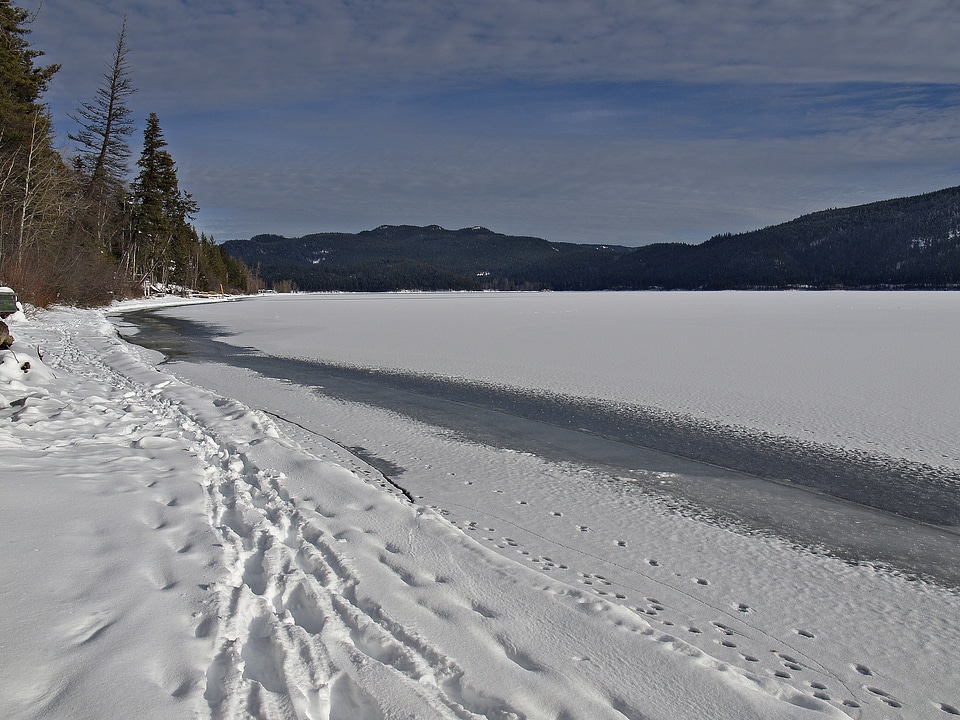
<point>354,168</point>
<point>610,120</point>
<point>205,55</point>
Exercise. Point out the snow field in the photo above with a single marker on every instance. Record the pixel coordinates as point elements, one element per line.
<point>815,626</point>
<point>170,552</point>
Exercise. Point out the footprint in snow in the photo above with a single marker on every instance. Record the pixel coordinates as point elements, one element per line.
<point>723,628</point>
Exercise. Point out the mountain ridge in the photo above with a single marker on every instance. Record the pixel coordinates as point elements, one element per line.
<point>908,242</point>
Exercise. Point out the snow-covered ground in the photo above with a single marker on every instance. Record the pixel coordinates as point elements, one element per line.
<point>169,551</point>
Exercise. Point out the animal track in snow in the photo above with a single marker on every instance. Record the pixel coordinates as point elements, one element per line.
<point>519,657</point>
<point>884,696</point>
<point>481,609</point>
<point>206,626</point>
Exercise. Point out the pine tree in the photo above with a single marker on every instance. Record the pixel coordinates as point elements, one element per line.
<point>160,212</point>
<point>21,84</point>
<point>103,152</point>
<point>105,124</point>
<point>31,173</point>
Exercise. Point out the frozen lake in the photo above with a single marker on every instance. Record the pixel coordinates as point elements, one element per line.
<point>848,394</point>
<point>867,371</point>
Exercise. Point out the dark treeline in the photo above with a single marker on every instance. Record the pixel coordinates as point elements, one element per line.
<point>74,229</point>
<point>904,243</point>
<point>395,258</point>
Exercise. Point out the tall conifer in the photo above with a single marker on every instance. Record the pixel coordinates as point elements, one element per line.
<point>21,83</point>
<point>103,152</point>
<point>30,169</point>
<point>160,209</point>
<point>105,123</point>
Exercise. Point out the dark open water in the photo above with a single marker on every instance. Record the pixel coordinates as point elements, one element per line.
<point>857,506</point>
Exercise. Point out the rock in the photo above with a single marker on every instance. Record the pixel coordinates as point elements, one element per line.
<point>6,339</point>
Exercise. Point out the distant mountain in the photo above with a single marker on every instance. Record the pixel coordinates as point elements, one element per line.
<point>429,258</point>
<point>909,242</point>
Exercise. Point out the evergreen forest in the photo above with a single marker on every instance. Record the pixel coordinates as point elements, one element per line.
<point>74,228</point>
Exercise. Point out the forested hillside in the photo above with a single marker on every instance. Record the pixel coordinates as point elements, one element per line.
<point>428,258</point>
<point>901,243</point>
<point>905,242</point>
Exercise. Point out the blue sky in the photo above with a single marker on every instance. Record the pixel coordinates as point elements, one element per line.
<point>615,121</point>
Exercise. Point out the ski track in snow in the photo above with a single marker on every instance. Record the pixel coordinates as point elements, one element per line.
<point>331,596</point>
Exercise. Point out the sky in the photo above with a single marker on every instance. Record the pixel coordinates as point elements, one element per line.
<point>599,121</point>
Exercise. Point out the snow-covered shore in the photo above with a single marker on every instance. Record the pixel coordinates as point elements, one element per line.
<point>170,552</point>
